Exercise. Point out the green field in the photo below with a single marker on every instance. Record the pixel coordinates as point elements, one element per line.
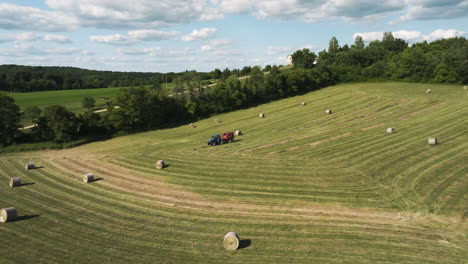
<point>300,186</point>
<point>68,98</point>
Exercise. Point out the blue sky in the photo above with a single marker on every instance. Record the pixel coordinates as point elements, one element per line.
<point>179,35</point>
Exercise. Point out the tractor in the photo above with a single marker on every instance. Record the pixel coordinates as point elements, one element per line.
<point>215,140</point>
<point>218,139</point>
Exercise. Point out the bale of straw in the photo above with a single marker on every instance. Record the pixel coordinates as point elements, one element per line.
<point>15,181</point>
<point>432,141</point>
<point>160,164</point>
<point>191,125</point>
<point>303,103</point>
<point>30,166</point>
<point>231,241</point>
<point>216,120</point>
<point>390,130</point>
<point>262,115</point>
<point>428,91</point>
<point>328,111</point>
<point>238,133</point>
<point>8,214</point>
<point>88,177</point>
<point>465,87</point>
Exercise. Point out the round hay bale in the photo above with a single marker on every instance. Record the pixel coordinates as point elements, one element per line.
<point>303,103</point>
<point>390,130</point>
<point>432,141</point>
<point>30,166</point>
<point>88,177</point>
<point>262,115</point>
<point>328,111</point>
<point>216,120</point>
<point>465,87</point>
<point>191,125</point>
<point>231,241</point>
<point>16,181</point>
<point>428,91</point>
<point>238,133</point>
<point>8,214</point>
<point>160,164</point>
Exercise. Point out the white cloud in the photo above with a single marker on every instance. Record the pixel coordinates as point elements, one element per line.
<point>134,36</point>
<point>236,6</point>
<point>444,34</point>
<point>199,34</point>
<point>434,9</point>
<point>21,49</point>
<point>57,38</point>
<point>65,15</point>
<point>313,10</point>
<point>25,36</point>
<point>156,52</point>
<point>115,39</point>
<point>21,17</point>
<point>151,35</point>
<point>412,36</point>
<point>215,44</point>
<point>369,36</point>
<point>285,50</point>
<point>137,13</point>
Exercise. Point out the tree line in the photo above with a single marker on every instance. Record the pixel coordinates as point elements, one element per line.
<point>140,108</point>
<point>441,61</point>
<point>18,78</point>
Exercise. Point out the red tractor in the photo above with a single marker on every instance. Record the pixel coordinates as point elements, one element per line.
<point>227,137</point>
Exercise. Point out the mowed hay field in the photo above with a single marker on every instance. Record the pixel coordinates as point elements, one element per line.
<point>300,186</point>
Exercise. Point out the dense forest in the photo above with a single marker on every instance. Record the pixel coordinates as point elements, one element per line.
<point>17,78</point>
<point>140,108</point>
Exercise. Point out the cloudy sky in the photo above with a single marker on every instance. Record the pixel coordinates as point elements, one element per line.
<point>178,35</point>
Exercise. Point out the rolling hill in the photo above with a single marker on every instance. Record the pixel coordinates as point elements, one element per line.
<point>299,186</point>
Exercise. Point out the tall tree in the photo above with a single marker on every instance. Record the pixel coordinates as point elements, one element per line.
<point>333,45</point>
<point>88,102</point>
<point>359,43</point>
<point>58,124</point>
<point>10,118</point>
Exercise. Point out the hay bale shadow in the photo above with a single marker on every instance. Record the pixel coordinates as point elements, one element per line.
<point>98,179</point>
<point>25,217</point>
<point>244,243</point>
<point>26,184</point>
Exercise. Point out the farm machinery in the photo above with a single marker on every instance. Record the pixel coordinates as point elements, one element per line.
<point>218,139</point>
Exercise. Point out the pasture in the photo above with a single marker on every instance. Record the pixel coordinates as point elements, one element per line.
<point>68,98</point>
<point>300,186</point>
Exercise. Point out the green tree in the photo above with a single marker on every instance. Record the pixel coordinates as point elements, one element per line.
<point>10,118</point>
<point>32,113</point>
<point>333,45</point>
<point>88,102</point>
<point>236,96</point>
<point>359,43</point>
<point>303,59</point>
<point>58,124</point>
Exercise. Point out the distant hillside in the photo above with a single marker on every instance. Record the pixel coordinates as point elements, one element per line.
<point>19,78</point>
